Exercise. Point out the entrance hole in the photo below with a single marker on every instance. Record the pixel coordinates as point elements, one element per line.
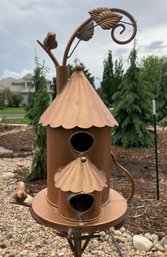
<point>81,141</point>
<point>82,202</point>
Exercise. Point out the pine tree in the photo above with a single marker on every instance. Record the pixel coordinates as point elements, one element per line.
<point>39,101</point>
<point>132,108</point>
<point>161,96</point>
<point>118,75</point>
<point>86,71</point>
<point>107,80</point>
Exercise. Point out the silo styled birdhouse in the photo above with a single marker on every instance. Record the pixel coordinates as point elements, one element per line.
<point>78,197</point>
<point>79,144</point>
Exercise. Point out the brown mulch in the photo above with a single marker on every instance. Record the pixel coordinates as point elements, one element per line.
<point>18,139</point>
<point>145,213</point>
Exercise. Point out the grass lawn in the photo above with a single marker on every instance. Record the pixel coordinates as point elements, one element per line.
<point>15,121</point>
<point>17,110</point>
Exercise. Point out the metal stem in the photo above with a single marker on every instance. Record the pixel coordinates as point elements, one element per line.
<point>77,245</point>
<point>115,242</point>
<point>156,155</point>
<point>72,39</point>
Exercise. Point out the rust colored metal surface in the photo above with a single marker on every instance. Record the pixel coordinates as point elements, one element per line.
<point>113,213</point>
<point>80,175</point>
<point>60,153</point>
<point>80,208</point>
<point>77,106</point>
<point>128,174</point>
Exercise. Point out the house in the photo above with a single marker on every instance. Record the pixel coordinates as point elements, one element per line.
<point>21,86</point>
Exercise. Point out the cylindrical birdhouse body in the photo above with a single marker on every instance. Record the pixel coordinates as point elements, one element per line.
<point>62,148</point>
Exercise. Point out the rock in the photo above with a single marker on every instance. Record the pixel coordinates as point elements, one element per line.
<point>102,234</point>
<point>8,175</point>
<point>163,241</point>
<point>122,229</point>
<point>122,239</point>
<point>141,243</point>
<point>10,188</point>
<point>129,238</point>
<point>125,234</point>
<point>5,153</point>
<point>117,233</point>
<point>28,200</point>
<point>154,237</point>
<point>159,247</point>
<point>23,252</point>
<point>147,235</point>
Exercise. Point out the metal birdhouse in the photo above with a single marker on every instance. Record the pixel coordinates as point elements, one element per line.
<point>78,197</point>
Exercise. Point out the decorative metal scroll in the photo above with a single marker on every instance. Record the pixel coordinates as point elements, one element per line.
<point>107,18</point>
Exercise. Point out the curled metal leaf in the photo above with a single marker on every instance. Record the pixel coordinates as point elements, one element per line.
<point>124,27</point>
<point>95,12</point>
<point>108,19</point>
<point>86,33</point>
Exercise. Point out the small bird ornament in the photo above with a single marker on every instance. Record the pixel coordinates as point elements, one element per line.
<point>50,41</point>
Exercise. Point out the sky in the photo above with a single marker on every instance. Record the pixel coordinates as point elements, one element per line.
<point>22,22</point>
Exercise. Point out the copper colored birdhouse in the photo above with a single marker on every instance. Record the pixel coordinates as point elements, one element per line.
<point>78,125</point>
<point>78,197</point>
<point>79,154</point>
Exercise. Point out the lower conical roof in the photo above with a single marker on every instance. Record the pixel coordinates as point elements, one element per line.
<point>79,176</point>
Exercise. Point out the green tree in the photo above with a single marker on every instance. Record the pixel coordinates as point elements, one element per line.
<point>132,108</point>
<point>2,100</point>
<point>53,88</point>
<point>107,84</point>
<point>161,96</point>
<point>150,70</point>
<point>39,101</point>
<point>112,77</point>
<point>17,99</point>
<point>7,96</point>
<point>153,74</point>
<point>102,95</point>
<point>118,75</point>
<point>86,71</point>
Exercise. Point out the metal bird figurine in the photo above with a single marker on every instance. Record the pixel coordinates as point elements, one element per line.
<point>20,195</point>
<point>50,41</point>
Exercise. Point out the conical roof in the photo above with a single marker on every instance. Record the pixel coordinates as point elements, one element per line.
<point>77,106</point>
<point>80,175</point>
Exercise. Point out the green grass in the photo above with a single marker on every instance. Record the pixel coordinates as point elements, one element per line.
<point>17,110</point>
<point>15,121</point>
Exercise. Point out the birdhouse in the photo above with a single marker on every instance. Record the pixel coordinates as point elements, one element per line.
<point>78,150</point>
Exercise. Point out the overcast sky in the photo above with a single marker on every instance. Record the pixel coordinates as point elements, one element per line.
<point>22,22</point>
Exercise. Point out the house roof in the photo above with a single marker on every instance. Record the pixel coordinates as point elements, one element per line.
<point>78,105</point>
<point>79,176</point>
<point>6,82</point>
<point>28,76</point>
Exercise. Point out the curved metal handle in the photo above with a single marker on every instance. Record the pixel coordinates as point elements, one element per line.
<point>122,169</point>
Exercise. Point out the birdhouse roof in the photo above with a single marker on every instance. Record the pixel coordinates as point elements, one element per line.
<point>79,176</point>
<point>78,105</point>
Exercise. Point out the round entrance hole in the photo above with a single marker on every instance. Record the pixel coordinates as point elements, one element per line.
<point>81,141</point>
<point>82,202</point>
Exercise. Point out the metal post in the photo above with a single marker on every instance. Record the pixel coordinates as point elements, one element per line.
<point>156,148</point>
<point>78,250</point>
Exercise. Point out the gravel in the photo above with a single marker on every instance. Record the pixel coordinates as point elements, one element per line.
<point>22,236</point>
